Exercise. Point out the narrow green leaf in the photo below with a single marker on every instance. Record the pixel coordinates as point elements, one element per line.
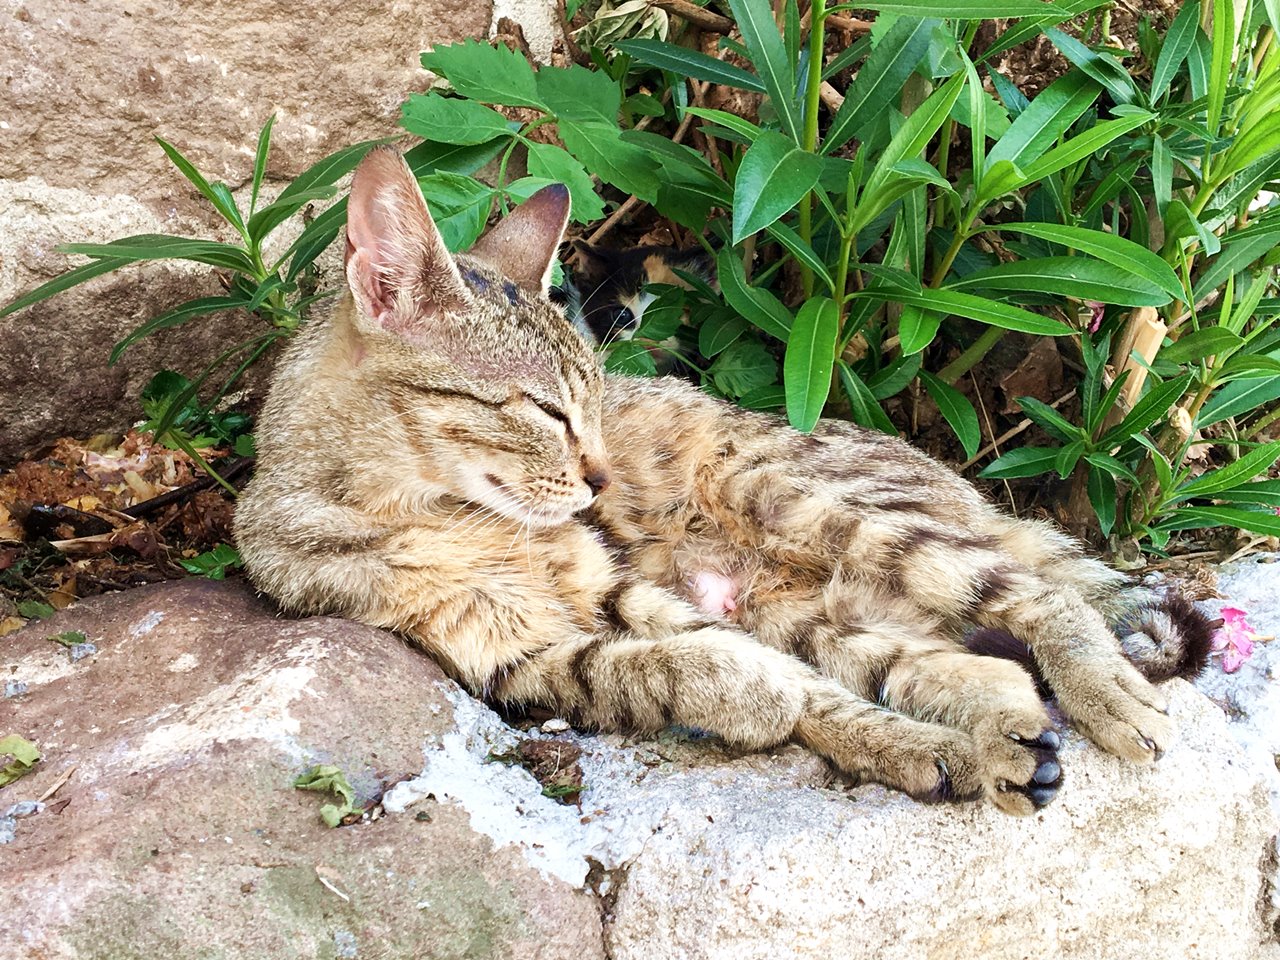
<point>769,57</point>
<point>1083,278</point>
<point>756,305</point>
<point>1237,397</point>
<point>684,62</point>
<point>225,206</point>
<point>1050,420</point>
<point>328,170</point>
<point>730,121</point>
<point>1220,63</point>
<point>880,79</point>
<point>172,318</point>
<point>890,380</point>
<point>806,368</point>
<point>717,332</point>
<point>916,329</point>
<point>1200,344</point>
<point>1254,463</point>
<point>1161,174</point>
<point>801,251</point>
<point>957,410</point>
<point>914,135</point>
<point>1047,118</point>
<point>1102,68</point>
<point>1261,491</point>
<point>1028,28</point>
<point>152,246</point>
<point>1115,250</point>
<point>863,406</point>
<point>1177,44</point>
<point>1261,522</point>
<point>260,162</point>
<point>1022,462</point>
<point>1085,145</point>
<point>1102,495</point>
<point>772,178</point>
<point>315,237</point>
<point>271,216</point>
<point>996,314</point>
<point>1152,408</point>
<point>961,9</point>
<point>65,281</point>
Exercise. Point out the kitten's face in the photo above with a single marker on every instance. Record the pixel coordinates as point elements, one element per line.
<point>480,381</point>
<point>614,285</point>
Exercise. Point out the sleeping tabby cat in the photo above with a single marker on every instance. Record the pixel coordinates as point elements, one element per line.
<point>445,458</point>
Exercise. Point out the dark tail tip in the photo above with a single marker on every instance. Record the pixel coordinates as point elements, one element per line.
<point>994,642</point>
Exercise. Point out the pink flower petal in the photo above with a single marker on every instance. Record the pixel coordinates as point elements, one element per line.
<point>1233,615</point>
<point>1231,661</point>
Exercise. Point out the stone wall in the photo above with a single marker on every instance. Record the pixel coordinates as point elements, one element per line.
<point>87,85</point>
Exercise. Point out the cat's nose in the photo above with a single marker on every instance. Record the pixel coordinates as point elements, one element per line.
<point>596,477</point>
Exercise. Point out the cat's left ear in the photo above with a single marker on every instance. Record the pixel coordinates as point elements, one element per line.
<point>523,246</point>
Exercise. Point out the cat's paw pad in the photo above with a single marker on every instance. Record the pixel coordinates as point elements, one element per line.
<point>1025,773</point>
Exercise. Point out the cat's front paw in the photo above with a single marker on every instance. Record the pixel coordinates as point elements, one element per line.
<point>1021,770</point>
<point>1116,708</point>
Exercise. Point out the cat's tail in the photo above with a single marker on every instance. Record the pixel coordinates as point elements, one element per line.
<point>1164,636</point>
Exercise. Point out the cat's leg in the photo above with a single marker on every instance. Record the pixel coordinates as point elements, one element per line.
<point>749,694</point>
<point>909,667</point>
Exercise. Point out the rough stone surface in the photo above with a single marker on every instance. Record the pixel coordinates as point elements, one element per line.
<point>87,86</point>
<point>181,835</point>
<point>188,726</point>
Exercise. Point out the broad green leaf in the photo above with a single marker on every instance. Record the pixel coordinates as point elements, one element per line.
<point>916,329</point>
<point>717,332</point>
<point>1261,522</point>
<point>772,178</point>
<point>1152,408</point>
<point>743,367</point>
<point>1102,68</point>
<point>769,56</point>
<point>459,206</point>
<point>1254,463</point>
<point>481,72</point>
<point>549,161</point>
<point>1176,46</point>
<point>755,304</point>
<point>260,162</point>
<point>576,93</point>
<point>957,410</point>
<point>1115,250</point>
<point>1102,495</point>
<point>771,397</point>
<point>684,62</point>
<point>996,314</point>
<point>24,755</point>
<point>452,119</point>
<point>329,779</point>
<point>1200,344</point>
<point>601,149</point>
<point>172,318</point>
<point>632,359</point>
<point>221,200</point>
<point>1080,277</point>
<point>1237,397</point>
<point>431,157</point>
<point>150,246</point>
<point>65,281</point>
<point>890,380</point>
<point>806,368</point>
<point>1057,107</point>
<point>1050,420</point>
<point>862,403</point>
<point>879,82</point>
<point>1022,462</point>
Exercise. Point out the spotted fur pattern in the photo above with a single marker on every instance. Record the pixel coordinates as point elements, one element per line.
<point>445,458</point>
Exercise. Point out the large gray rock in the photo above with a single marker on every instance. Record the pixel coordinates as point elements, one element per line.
<point>183,836</point>
<point>87,86</point>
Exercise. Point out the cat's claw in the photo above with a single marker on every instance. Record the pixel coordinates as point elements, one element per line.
<point>1120,712</point>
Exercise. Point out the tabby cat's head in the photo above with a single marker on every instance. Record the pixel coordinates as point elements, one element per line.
<point>485,386</point>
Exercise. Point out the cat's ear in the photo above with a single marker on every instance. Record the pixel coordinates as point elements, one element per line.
<point>400,272</point>
<point>523,246</point>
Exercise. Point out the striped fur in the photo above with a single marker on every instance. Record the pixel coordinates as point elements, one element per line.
<point>470,478</point>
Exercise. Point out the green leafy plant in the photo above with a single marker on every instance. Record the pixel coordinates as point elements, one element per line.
<point>21,756</point>
<point>326,778</point>
<point>214,564</point>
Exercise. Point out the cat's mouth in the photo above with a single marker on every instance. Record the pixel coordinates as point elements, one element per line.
<point>513,503</point>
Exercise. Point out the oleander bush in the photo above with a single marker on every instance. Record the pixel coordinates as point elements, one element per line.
<point>884,208</point>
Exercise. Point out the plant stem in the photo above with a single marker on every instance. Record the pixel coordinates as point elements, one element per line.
<point>813,89</point>
<point>1262,424</point>
<point>962,364</point>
